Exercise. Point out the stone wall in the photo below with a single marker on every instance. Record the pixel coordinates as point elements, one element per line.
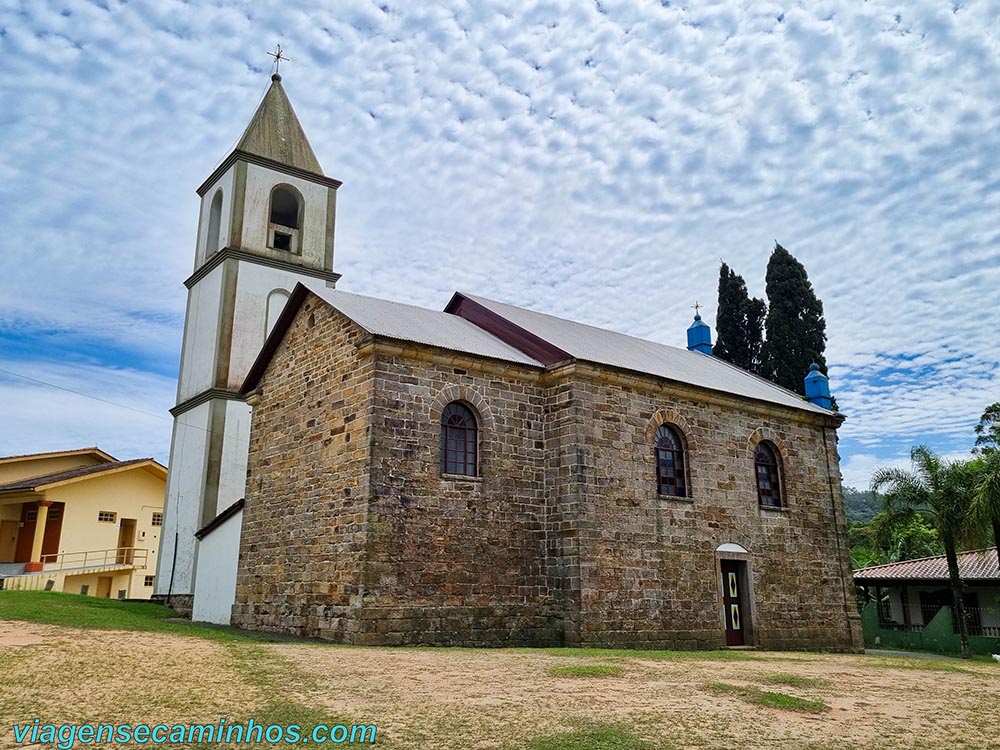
<point>305,516</point>
<point>461,556</point>
<point>648,566</point>
<point>352,533</point>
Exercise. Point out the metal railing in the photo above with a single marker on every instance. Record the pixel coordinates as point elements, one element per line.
<point>886,622</point>
<point>101,558</point>
<point>974,618</point>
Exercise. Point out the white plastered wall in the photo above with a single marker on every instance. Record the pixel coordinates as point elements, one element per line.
<point>219,552</point>
<point>256,215</point>
<point>182,514</point>
<point>201,335</point>
<point>235,449</point>
<point>225,183</point>
<point>254,285</point>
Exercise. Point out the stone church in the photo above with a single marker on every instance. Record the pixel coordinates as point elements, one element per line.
<point>377,473</point>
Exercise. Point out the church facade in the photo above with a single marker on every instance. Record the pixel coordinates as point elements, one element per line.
<point>490,475</point>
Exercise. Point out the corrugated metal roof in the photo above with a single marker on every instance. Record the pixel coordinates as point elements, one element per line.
<point>601,346</point>
<point>418,324</point>
<point>975,565</point>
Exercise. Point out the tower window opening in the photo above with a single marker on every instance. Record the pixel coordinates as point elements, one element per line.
<point>214,223</point>
<point>285,208</point>
<point>285,219</point>
<point>282,241</point>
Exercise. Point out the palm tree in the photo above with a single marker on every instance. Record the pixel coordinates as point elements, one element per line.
<point>986,499</point>
<point>941,491</point>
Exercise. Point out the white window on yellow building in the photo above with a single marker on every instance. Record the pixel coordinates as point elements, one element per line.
<point>148,581</point>
<point>106,516</point>
<point>157,519</point>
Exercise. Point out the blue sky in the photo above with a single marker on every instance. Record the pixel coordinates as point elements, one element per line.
<point>592,160</point>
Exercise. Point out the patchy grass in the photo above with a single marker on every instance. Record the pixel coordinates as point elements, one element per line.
<point>73,610</point>
<point>587,670</point>
<point>78,659</point>
<point>950,666</point>
<point>659,655</point>
<point>767,698</point>
<point>609,737</point>
<point>793,680</point>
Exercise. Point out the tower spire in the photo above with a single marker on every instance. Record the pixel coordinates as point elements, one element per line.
<point>275,133</point>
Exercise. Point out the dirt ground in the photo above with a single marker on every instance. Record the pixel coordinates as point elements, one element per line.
<point>469,698</point>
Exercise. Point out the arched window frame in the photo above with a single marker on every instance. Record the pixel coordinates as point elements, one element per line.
<point>459,440</point>
<point>279,236</point>
<point>214,234</point>
<point>670,455</point>
<point>768,475</point>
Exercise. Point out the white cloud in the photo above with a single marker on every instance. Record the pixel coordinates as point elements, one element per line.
<point>125,415</point>
<point>591,161</point>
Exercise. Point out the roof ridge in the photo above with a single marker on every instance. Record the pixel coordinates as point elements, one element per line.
<point>85,449</point>
<point>476,297</point>
<point>758,378</point>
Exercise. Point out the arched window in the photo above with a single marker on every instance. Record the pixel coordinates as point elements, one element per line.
<point>459,440</point>
<point>768,472</point>
<point>275,304</point>
<point>286,215</point>
<point>214,224</point>
<point>671,471</point>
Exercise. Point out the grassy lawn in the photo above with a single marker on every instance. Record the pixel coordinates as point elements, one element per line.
<point>72,659</point>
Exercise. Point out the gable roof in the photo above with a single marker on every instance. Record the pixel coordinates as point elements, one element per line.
<point>91,451</point>
<point>275,133</point>
<point>980,564</point>
<point>393,320</point>
<point>601,346</point>
<point>67,476</point>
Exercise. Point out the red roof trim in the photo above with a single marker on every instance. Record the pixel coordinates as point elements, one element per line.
<point>508,332</point>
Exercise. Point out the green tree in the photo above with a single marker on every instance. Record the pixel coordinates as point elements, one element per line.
<point>986,501</point>
<point>988,430</point>
<point>941,492</point>
<point>986,498</point>
<point>739,322</point>
<point>860,505</point>
<point>796,329</point>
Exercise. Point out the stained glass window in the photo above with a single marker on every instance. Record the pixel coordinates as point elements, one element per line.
<point>671,472</point>
<point>768,476</point>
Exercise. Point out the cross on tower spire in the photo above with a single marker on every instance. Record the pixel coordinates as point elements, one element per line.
<point>278,57</point>
<point>697,306</point>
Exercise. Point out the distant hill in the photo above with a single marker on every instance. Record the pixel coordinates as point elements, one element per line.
<point>860,506</point>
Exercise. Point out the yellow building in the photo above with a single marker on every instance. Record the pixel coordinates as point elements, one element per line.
<point>80,521</point>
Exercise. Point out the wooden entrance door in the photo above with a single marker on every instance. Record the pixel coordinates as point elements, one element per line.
<point>8,540</point>
<point>732,601</point>
<point>126,540</point>
<point>104,587</point>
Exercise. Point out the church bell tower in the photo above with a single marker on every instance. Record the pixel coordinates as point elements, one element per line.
<point>266,222</point>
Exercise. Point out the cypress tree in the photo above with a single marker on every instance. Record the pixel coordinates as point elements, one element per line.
<point>738,322</point>
<point>755,334</point>
<point>796,329</point>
